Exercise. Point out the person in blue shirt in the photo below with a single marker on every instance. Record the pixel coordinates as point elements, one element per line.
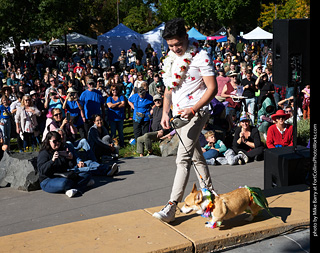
<point>93,103</point>
<point>5,123</point>
<point>75,108</point>
<point>141,104</point>
<point>116,105</point>
<point>128,87</point>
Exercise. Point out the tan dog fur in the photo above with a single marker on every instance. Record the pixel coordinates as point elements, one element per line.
<point>226,206</point>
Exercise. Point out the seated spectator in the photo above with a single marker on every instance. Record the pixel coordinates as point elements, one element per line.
<point>53,163</point>
<point>3,147</point>
<point>214,147</point>
<point>141,103</point>
<point>157,131</point>
<point>58,121</point>
<point>87,161</point>
<point>264,116</point>
<point>26,122</point>
<point>289,110</point>
<point>75,109</point>
<point>116,104</point>
<point>280,134</point>
<point>247,141</point>
<point>100,140</point>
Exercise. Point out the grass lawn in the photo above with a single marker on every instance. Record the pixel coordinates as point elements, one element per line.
<point>128,151</point>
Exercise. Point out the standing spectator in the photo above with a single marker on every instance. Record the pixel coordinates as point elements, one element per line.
<point>157,82</point>
<point>93,103</point>
<point>116,105</point>
<point>154,61</point>
<point>122,60</point>
<point>249,92</point>
<point>232,88</point>
<point>128,87</point>
<point>53,100</point>
<point>222,80</point>
<point>141,103</point>
<point>26,122</point>
<point>110,56</point>
<point>149,50</point>
<point>132,56</point>
<point>139,66</point>
<point>5,120</point>
<point>306,102</point>
<point>75,108</point>
<point>78,69</point>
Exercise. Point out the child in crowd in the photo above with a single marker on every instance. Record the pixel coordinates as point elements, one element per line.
<point>217,152</point>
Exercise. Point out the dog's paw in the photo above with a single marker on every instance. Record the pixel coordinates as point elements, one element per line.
<point>210,224</point>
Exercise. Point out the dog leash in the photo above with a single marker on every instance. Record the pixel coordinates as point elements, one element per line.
<point>194,166</point>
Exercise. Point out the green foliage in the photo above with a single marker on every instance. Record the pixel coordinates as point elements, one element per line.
<point>303,132</point>
<point>283,9</point>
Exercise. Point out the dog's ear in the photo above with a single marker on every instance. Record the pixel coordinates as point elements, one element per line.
<point>194,188</point>
<point>198,197</point>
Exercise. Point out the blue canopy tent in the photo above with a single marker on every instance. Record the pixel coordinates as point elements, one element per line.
<point>194,33</point>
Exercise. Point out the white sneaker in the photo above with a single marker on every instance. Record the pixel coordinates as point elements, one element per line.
<point>113,170</point>
<point>70,193</point>
<point>167,214</point>
<point>211,161</point>
<point>244,156</point>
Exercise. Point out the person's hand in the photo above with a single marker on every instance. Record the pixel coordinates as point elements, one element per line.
<point>186,113</point>
<point>165,121</point>
<point>18,130</point>
<point>65,121</point>
<point>55,156</point>
<point>69,156</point>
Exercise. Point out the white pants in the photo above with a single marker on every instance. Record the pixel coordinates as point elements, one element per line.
<point>190,136</point>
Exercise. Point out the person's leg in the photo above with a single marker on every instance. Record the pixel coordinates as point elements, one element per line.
<point>137,131</point>
<point>211,153</point>
<point>57,185</point>
<point>120,132</point>
<point>190,137</point>
<point>145,127</point>
<point>113,128</point>
<point>140,144</point>
<point>149,138</point>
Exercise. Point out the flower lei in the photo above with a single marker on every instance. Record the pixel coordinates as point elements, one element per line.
<point>174,76</point>
<point>209,208</point>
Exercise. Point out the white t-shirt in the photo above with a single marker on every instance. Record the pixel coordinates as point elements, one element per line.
<point>192,88</point>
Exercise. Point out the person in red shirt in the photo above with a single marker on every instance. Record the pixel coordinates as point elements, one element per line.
<point>78,69</point>
<point>280,134</point>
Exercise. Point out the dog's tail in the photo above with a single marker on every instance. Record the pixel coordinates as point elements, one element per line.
<point>260,199</point>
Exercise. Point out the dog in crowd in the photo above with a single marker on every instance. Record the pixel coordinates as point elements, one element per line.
<point>225,206</point>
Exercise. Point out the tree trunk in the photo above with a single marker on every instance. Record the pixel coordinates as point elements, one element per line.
<point>232,34</point>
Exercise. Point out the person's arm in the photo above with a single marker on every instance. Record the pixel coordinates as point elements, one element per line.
<point>211,83</point>
<point>223,92</point>
<point>167,101</point>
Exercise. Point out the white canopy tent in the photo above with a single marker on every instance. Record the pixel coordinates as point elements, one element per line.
<point>258,34</point>
<point>119,38</point>
<point>154,38</point>
<point>74,39</point>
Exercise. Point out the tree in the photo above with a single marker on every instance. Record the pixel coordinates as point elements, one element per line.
<point>17,20</point>
<point>283,9</point>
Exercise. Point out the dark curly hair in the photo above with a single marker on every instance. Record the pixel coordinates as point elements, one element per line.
<point>174,27</point>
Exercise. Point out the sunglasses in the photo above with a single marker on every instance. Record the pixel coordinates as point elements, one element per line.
<point>58,114</point>
<point>55,141</point>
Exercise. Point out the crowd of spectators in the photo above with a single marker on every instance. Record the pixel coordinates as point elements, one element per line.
<point>89,93</point>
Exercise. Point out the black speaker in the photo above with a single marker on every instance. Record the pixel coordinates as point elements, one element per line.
<point>284,167</point>
<point>291,42</point>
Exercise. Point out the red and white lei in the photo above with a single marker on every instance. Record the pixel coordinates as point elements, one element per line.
<point>174,75</point>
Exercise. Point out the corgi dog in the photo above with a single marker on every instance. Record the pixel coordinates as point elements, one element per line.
<point>225,206</point>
